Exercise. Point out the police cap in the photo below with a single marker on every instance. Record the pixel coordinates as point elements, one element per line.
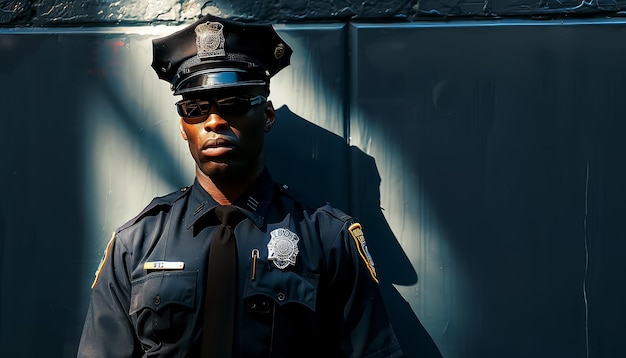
<point>215,53</point>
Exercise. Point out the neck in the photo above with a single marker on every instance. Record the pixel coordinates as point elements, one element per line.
<point>225,192</point>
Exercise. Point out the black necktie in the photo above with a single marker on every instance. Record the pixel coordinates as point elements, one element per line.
<point>221,288</point>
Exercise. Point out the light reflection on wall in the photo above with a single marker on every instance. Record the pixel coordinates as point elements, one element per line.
<point>414,222</point>
<point>301,87</point>
<point>133,149</point>
<point>407,208</point>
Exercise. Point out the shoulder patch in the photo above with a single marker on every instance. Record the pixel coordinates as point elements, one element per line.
<point>359,238</point>
<point>103,261</point>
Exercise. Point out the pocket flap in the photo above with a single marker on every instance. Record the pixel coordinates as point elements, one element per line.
<point>285,287</point>
<point>160,289</point>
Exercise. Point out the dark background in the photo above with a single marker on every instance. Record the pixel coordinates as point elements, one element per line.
<point>479,143</point>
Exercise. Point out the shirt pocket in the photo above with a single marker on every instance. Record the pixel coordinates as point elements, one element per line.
<point>159,290</point>
<point>162,308</point>
<point>281,308</point>
<point>284,287</point>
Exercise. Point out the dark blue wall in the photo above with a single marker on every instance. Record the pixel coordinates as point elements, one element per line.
<point>484,158</point>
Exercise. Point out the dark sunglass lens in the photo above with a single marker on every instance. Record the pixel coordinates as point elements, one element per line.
<point>202,108</point>
<point>193,108</point>
<point>234,106</point>
<point>227,107</point>
<point>182,109</point>
<point>230,110</point>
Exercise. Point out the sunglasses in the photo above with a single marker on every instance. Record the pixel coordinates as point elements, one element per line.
<point>227,107</point>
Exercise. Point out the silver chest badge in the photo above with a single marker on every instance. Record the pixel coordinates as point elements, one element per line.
<point>210,40</point>
<point>283,248</point>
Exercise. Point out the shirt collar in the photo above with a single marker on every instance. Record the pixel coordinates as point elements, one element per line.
<point>254,203</point>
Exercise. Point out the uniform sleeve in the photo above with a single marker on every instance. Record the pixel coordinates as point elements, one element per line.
<point>108,331</point>
<point>365,317</point>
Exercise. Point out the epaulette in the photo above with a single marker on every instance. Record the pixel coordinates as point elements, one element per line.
<point>314,203</point>
<point>289,191</point>
<point>284,188</point>
<point>337,213</point>
<point>157,204</point>
<point>307,201</point>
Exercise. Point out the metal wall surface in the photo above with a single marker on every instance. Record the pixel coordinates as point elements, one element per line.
<point>494,150</point>
<point>500,148</point>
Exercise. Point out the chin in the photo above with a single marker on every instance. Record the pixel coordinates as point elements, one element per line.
<point>222,171</point>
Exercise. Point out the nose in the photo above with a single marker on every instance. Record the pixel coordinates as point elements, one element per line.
<point>215,122</point>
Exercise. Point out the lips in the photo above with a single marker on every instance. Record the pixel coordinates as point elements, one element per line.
<point>217,142</point>
<point>217,147</point>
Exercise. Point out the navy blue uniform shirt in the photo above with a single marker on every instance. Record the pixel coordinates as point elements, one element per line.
<point>148,296</point>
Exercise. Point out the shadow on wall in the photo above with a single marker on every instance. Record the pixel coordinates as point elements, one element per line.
<point>324,168</point>
<point>2,235</point>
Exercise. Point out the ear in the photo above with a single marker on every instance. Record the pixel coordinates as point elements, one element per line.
<point>270,116</point>
<point>182,130</point>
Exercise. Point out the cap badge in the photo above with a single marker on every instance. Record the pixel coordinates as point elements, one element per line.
<point>210,40</point>
<point>283,248</point>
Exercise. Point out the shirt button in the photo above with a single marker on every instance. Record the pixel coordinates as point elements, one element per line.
<point>157,300</point>
<point>281,296</point>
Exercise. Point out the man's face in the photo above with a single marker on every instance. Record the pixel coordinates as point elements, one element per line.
<point>225,133</point>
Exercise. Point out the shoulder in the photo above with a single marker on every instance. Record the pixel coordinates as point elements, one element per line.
<point>158,205</point>
<point>314,209</point>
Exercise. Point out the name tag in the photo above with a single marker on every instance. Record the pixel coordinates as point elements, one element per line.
<point>163,265</point>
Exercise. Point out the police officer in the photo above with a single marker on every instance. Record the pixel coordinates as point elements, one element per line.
<point>234,265</point>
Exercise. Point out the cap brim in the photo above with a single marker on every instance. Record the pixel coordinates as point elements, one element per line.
<point>217,78</point>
